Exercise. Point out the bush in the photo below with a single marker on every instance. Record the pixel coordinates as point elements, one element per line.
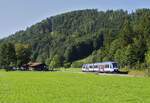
<point>77,64</point>
<point>67,65</point>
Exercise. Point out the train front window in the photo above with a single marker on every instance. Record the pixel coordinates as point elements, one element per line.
<point>115,65</point>
<point>83,66</point>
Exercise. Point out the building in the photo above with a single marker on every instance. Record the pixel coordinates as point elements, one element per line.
<point>37,66</point>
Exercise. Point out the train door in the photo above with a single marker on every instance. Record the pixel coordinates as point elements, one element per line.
<point>101,68</point>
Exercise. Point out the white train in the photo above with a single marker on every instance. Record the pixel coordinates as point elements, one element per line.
<point>100,67</point>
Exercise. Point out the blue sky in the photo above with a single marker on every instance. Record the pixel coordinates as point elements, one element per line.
<point>18,14</point>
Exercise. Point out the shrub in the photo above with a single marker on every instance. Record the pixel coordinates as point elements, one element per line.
<point>77,64</point>
<point>67,65</point>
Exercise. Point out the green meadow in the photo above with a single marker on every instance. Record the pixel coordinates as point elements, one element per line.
<point>71,87</point>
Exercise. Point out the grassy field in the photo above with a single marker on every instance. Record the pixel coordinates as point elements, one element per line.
<point>67,87</point>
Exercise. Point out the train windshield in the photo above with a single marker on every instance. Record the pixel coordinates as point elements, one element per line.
<point>115,65</point>
<point>83,66</point>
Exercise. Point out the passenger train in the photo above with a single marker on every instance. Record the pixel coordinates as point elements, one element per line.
<point>100,67</point>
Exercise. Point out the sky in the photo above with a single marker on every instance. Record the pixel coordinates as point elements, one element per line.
<point>17,15</point>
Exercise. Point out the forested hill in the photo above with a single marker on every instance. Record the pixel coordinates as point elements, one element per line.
<point>90,34</point>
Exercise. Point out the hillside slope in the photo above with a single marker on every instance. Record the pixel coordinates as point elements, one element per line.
<point>110,35</point>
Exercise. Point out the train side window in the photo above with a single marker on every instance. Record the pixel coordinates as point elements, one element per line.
<point>91,66</point>
<point>110,66</point>
<point>95,66</point>
<point>106,66</point>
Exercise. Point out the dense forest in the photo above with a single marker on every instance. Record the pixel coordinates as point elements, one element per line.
<point>82,36</point>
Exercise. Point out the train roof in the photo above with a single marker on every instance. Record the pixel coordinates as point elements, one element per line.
<point>100,63</point>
